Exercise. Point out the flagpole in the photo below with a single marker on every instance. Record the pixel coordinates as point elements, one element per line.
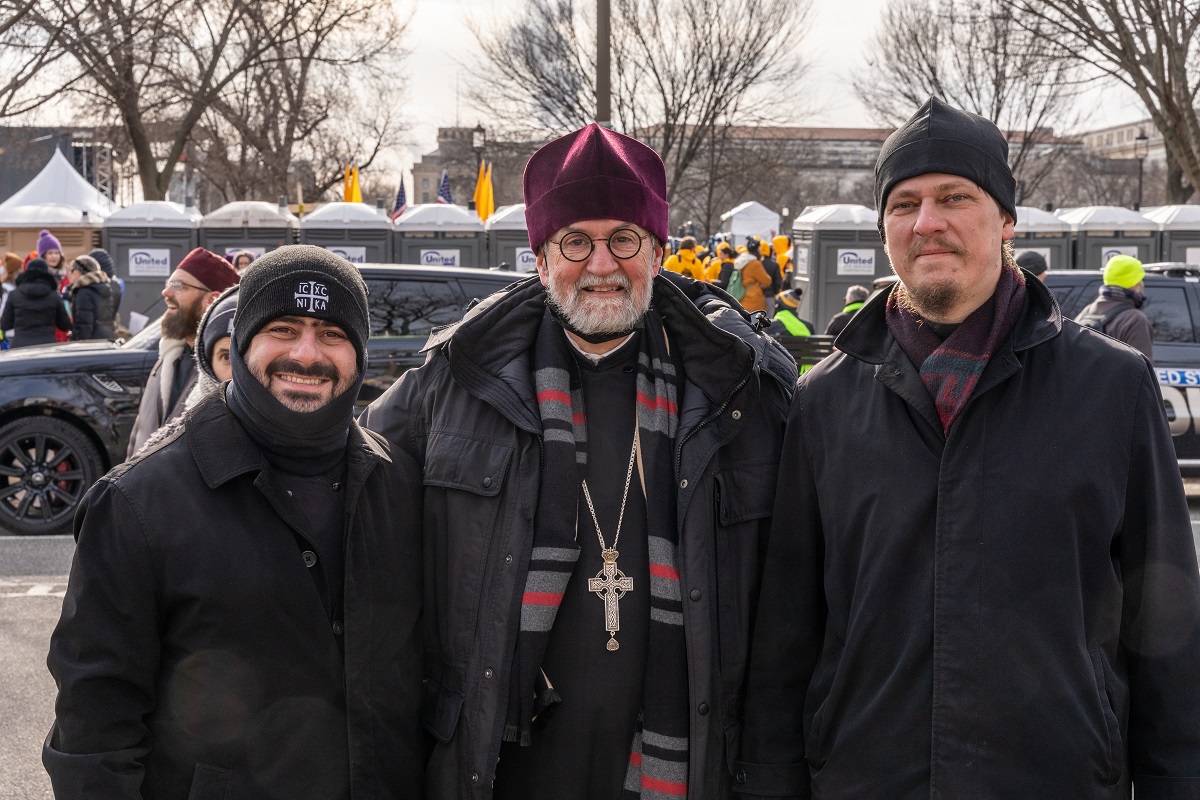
<point>603,63</point>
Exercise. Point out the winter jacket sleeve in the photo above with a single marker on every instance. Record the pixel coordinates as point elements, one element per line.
<point>104,655</point>
<point>788,633</point>
<point>1160,621</point>
<point>7,320</point>
<point>84,310</point>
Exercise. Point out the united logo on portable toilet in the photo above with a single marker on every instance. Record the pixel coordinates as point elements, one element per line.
<point>856,262</point>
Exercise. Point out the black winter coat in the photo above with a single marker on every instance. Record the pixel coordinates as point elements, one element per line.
<point>35,310</point>
<point>92,307</point>
<point>195,657</point>
<point>1009,611</point>
<point>469,416</point>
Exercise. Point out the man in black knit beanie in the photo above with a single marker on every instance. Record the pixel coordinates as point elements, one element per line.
<point>241,618</point>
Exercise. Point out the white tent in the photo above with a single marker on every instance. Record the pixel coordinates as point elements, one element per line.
<point>59,183</point>
<point>749,219</point>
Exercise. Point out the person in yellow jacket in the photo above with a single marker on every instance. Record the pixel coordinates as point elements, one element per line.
<point>722,261</point>
<point>685,262</point>
<point>783,254</point>
<point>754,281</point>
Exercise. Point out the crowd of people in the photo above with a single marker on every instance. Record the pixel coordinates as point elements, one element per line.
<point>605,543</point>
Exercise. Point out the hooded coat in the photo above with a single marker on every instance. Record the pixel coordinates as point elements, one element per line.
<point>92,310</point>
<point>35,310</point>
<point>469,417</point>
<point>1009,610</point>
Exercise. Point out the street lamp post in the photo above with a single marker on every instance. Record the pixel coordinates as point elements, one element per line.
<point>478,141</point>
<point>1141,148</point>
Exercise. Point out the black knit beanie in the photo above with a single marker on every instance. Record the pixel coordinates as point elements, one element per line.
<point>941,138</point>
<point>104,260</point>
<point>215,325</point>
<point>304,281</point>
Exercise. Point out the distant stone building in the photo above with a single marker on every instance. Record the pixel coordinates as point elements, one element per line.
<point>457,155</point>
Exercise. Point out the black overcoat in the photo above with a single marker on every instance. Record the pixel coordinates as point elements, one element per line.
<point>195,658</point>
<point>1011,610</point>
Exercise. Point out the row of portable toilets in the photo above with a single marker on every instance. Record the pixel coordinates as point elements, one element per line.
<point>147,240</point>
<point>837,246</point>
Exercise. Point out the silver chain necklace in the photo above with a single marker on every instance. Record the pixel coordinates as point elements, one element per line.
<point>610,584</point>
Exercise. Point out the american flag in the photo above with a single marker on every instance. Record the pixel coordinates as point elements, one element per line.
<point>401,201</point>
<point>444,195</point>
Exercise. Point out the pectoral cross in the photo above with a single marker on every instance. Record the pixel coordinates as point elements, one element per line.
<point>611,585</point>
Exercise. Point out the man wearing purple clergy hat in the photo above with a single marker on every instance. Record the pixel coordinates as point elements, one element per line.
<point>985,585</point>
<point>198,280</point>
<point>599,445</point>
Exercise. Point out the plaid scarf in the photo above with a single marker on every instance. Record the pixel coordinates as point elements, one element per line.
<point>658,760</point>
<point>950,369</point>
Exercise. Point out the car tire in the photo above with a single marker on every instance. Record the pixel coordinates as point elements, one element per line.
<point>46,466</point>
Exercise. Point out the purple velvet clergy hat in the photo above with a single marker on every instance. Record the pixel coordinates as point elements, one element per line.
<point>594,173</point>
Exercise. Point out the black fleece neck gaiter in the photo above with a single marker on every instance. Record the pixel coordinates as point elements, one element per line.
<point>304,443</point>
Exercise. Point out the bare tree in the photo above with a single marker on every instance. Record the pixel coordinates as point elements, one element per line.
<point>683,68</point>
<point>324,99</point>
<point>26,53</point>
<point>1152,47</point>
<point>983,56</point>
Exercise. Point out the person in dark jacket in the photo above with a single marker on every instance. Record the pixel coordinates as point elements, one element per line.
<point>115,283</point>
<point>981,582</point>
<point>582,666</point>
<point>34,310</point>
<point>1034,263</point>
<point>856,296</point>
<point>242,616</point>
<point>1118,309</point>
<point>91,301</point>
<point>772,268</point>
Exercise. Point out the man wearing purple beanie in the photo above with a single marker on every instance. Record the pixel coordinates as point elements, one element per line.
<point>599,445</point>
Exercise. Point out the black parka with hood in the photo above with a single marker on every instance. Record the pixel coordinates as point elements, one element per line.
<point>470,418</point>
<point>35,309</point>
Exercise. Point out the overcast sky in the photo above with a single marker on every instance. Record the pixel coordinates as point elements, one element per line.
<point>438,36</point>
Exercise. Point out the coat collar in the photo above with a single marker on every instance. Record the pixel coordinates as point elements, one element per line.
<point>717,343</point>
<point>223,450</point>
<point>868,338</point>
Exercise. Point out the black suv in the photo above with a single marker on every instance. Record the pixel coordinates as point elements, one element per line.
<point>1173,306</point>
<point>66,410</point>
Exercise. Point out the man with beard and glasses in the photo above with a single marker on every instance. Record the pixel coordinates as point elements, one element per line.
<point>242,614</point>
<point>981,581</point>
<point>599,445</point>
<point>200,277</point>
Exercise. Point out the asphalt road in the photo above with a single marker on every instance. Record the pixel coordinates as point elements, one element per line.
<point>33,575</point>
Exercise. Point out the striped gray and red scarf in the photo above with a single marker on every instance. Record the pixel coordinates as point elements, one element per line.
<point>951,368</point>
<point>658,760</point>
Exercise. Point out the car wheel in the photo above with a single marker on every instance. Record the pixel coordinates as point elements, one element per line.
<point>46,466</point>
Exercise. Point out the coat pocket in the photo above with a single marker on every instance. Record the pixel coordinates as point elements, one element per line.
<point>208,783</point>
<point>746,491</point>
<point>1115,757</point>
<point>440,710</point>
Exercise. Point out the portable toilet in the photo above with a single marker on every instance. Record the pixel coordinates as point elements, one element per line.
<point>76,230</point>
<point>834,247</point>
<point>748,219</point>
<point>248,225</point>
<point>1041,232</point>
<point>508,239</point>
<point>1179,232</point>
<point>439,234</point>
<point>355,231</point>
<point>146,241</point>
<point>1101,232</point>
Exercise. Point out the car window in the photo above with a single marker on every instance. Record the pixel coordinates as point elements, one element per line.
<point>411,307</point>
<point>477,290</point>
<point>1167,309</point>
